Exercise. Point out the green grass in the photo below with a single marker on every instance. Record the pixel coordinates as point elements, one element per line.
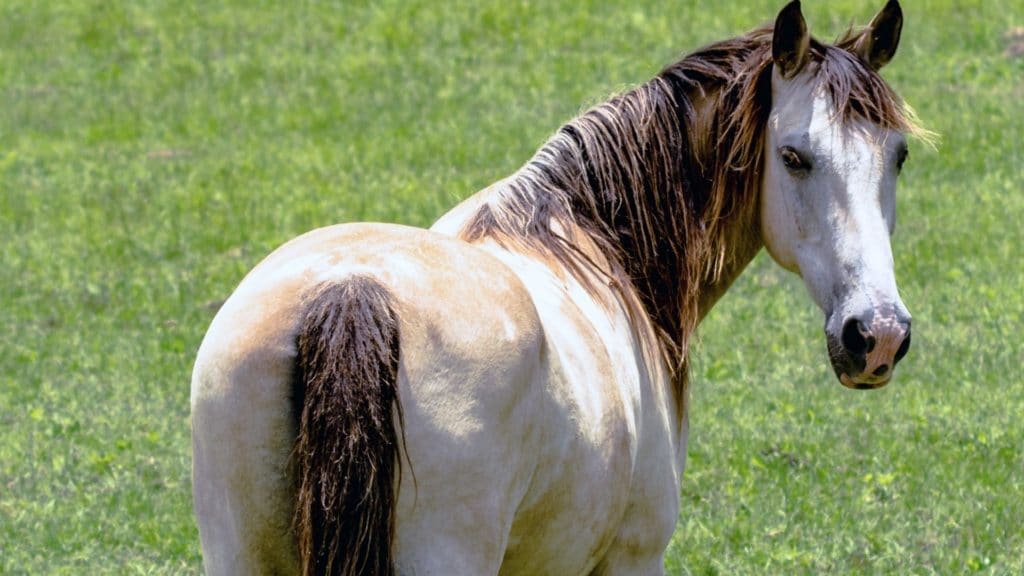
<point>152,152</point>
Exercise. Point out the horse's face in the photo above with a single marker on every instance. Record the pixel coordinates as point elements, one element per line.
<point>828,204</point>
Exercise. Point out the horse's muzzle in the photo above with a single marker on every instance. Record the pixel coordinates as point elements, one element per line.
<point>867,349</point>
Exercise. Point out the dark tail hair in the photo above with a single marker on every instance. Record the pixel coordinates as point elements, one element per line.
<point>346,459</point>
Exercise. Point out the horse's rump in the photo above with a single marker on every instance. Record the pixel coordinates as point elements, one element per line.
<point>314,329</point>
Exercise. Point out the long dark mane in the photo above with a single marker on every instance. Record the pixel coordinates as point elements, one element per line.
<point>665,179</point>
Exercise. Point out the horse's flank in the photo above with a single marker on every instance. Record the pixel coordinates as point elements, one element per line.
<point>664,181</point>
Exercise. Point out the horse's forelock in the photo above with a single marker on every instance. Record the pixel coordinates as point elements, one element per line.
<point>857,91</point>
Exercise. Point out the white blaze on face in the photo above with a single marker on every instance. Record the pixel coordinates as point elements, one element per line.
<point>828,209</point>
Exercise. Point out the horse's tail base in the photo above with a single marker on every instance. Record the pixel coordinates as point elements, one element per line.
<point>346,459</point>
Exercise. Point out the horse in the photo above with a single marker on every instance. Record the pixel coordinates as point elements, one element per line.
<point>505,393</point>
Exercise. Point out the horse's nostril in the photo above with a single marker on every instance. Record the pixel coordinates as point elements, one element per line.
<point>853,338</point>
<point>881,370</point>
<point>904,346</point>
<point>870,343</point>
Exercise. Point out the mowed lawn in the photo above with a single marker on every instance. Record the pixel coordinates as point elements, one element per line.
<point>152,152</point>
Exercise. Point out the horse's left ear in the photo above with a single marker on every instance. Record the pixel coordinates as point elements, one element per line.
<point>877,44</point>
<point>790,40</point>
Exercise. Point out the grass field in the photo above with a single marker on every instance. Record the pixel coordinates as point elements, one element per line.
<point>152,152</point>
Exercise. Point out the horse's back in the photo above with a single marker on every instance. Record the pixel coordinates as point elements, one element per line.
<point>470,348</point>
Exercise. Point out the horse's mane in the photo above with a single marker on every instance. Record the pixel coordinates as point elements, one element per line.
<point>665,178</point>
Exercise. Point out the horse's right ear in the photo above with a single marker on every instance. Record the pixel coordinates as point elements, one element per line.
<point>877,44</point>
<point>791,41</point>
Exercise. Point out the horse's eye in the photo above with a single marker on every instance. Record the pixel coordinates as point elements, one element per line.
<point>901,157</point>
<point>793,161</point>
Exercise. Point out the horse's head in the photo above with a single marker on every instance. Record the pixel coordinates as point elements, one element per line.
<point>828,202</point>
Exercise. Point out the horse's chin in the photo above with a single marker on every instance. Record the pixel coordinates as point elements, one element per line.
<point>862,382</point>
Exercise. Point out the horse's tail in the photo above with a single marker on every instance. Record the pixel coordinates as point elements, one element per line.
<point>346,459</point>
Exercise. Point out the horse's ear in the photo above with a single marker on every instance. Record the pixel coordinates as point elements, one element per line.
<point>877,44</point>
<point>791,41</point>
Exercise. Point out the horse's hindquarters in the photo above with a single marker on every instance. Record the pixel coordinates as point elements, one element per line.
<point>469,347</point>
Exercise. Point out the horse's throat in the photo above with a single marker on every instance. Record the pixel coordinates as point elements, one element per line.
<point>746,243</point>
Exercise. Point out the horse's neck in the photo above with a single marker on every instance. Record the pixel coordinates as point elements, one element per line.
<point>747,243</point>
<point>744,238</point>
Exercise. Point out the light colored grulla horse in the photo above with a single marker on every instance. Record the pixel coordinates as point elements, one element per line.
<point>505,393</point>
